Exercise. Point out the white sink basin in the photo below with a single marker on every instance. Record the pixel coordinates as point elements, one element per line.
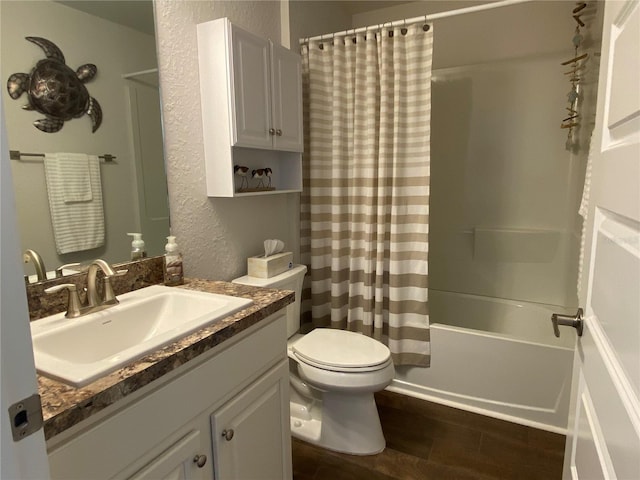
<point>78,351</point>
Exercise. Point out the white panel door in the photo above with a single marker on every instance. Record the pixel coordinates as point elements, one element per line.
<point>251,433</point>
<point>286,82</point>
<point>25,458</point>
<point>604,428</point>
<point>151,177</point>
<point>251,112</point>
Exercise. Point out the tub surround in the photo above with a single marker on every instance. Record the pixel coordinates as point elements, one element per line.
<point>64,406</point>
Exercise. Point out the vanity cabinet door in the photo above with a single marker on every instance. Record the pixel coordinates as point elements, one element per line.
<point>184,460</point>
<point>251,433</point>
<point>286,91</point>
<point>251,115</point>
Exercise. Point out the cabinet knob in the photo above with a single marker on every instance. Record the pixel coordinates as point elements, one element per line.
<point>279,132</point>
<point>228,434</point>
<point>200,460</point>
<point>272,131</point>
<point>574,321</point>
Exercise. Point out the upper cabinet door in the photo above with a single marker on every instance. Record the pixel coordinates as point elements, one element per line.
<point>251,112</point>
<point>286,82</point>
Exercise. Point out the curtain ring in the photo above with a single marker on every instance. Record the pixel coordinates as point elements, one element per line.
<point>404,30</point>
<point>426,26</point>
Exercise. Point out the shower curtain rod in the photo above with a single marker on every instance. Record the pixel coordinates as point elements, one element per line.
<point>422,18</point>
<point>140,73</point>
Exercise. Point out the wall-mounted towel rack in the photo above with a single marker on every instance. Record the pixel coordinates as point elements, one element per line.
<point>17,155</point>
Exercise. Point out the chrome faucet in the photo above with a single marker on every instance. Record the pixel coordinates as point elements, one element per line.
<point>33,257</point>
<point>94,302</point>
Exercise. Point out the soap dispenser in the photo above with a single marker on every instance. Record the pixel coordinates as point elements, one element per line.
<point>172,263</point>
<point>138,251</point>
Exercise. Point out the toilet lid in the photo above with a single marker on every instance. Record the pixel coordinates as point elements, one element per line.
<point>340,350</point>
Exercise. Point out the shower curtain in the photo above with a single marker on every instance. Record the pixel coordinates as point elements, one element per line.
<point>365,201</point>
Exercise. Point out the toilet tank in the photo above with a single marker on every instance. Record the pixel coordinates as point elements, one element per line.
<point>290,280</point>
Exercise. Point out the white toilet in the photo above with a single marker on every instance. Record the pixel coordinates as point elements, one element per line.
<point>333,375</point>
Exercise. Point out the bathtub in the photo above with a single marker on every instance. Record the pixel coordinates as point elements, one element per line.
<point>495,357</point>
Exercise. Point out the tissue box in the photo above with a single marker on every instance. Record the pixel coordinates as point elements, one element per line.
<point>268,267</point>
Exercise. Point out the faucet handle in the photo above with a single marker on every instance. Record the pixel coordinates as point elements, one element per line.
<point>109,296</point>
<point>73,308</point>
<point>59,270</point>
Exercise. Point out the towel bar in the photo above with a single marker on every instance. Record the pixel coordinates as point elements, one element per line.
<point>17,155</point>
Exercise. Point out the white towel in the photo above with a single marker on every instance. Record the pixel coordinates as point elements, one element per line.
<point>77,225</point>
<point>74,168</point>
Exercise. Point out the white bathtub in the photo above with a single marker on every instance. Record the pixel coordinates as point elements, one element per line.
<point>495,357</point>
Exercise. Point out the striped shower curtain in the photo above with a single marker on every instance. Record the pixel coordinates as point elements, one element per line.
<point>365,201</point>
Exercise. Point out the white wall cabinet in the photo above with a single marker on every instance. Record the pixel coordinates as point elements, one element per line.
<point>251,97</point>
<point>286,95</point>
<point>172,428</point>
<point>266,92</point>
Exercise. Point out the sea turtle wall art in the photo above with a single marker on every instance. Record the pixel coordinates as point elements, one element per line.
<point>55,90</point>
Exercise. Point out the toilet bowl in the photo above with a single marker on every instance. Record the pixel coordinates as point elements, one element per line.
<point>333,376</point>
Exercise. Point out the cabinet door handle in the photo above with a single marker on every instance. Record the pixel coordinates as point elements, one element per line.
<point>228,434</point>
<point>279,132</point>
<point>574,321</point>
<point>200,460</point>
<point>272,131</point>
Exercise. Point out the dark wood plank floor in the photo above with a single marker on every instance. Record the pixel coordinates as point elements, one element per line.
<point>430,441</point>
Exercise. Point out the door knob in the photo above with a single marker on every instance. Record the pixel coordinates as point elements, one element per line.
<point>272,131</point>
<point>228,434</point>
<point>279,132</point>
<point>200,460</point>
<point>575,321</point>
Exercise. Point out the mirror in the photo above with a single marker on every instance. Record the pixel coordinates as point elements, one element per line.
<point>117,37</point>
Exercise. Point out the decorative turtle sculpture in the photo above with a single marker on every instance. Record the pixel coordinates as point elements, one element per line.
<point>55,90</point>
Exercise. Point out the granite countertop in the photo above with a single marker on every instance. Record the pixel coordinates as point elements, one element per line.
<point>63,406</point>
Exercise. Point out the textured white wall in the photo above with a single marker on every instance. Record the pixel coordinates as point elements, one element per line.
<point>115,50</point>
<point>215,235</point>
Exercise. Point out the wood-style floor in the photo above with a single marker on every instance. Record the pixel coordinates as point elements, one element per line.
<point>430,441</point>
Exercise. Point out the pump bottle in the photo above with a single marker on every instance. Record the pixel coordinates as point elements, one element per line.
<point>172,263</point>
<point>138,251</point>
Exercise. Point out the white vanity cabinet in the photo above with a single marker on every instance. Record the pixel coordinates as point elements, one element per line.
<point>173,427</point>
<point>183,460</point>
<point>249,437</point>
<point>251,98</point>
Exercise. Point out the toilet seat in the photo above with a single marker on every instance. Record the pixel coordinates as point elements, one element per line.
<point>341,351</point>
